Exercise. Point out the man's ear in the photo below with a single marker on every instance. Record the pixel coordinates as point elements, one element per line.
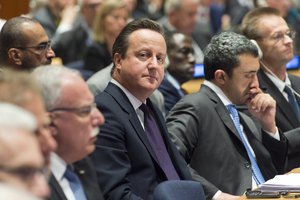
<point>117,61</point>
<point>220,76</point>
<point>15,56</point>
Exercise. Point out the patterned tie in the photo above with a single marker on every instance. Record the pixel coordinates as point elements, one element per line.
<point>75,183</point>
<point>293,102</point>
<point>258,177</point>
<point>158,145</point>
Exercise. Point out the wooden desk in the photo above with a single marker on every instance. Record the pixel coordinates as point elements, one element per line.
<point>297,170</point>
<point>193,86</point>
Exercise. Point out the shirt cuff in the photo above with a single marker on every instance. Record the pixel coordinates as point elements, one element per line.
<point>276,135</point>
<point>217,195</point>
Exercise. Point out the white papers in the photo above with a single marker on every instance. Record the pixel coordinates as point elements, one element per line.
<point>288,182</point>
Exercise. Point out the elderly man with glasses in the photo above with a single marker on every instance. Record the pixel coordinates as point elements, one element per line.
<point>24,44</point>
<point>274,37</point>
<point>75,124</point>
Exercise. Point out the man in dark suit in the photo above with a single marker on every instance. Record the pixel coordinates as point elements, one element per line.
<point>180,69</point>
<point>220,144</point>
<point>130,163</point>
<point>74,123</point>
<point>275,40</point>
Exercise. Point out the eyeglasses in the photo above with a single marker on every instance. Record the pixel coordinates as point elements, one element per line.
<point>43,47</point>
<point>26,173</point>
<point>82,111</point>
<point>277,37</point>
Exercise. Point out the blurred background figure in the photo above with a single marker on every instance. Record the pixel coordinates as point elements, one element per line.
<point>57,16</point>
<point>13,193</point>
<point>110,20</point>
<point>152,9</point>
<point>22,163</point>
<point>181,15</point>
<point>71,45</point>
<point>19,88</point>
<point>180,68</point>
<point>24,44</point>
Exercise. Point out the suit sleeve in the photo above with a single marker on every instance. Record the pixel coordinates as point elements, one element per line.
<point>183,125</point>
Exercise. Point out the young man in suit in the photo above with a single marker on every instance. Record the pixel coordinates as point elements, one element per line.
<point>24,44</point>
<point>75,123</point>
<point>231,154</point>
<point>180,69</point>
<point>267,27</point>
<point>129,162</point>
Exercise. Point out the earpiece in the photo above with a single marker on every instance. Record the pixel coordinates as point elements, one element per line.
<point>260,53</point>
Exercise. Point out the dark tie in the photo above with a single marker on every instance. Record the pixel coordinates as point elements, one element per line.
<point>157,143</point>
<point>293,102</point>
<point>258,177</point>
<point>75,183</point>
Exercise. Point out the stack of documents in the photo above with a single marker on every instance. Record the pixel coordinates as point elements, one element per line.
<point>288,182</point>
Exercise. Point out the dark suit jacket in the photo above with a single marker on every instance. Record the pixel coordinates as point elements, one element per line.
<point>203,131</point>
<point>124,159</point>
<point>170,93</point>
<point>87,174</point>
<point>97,57</point>
<point>286,119</point>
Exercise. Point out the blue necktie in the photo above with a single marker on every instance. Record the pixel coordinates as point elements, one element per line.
<point>293,102</point>
<point>258,177</point>
<point>158,145</point>
<point>75,183</point>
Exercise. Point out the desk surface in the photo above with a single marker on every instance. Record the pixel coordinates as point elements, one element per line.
<point>297,170</point>
<point>194,85</point>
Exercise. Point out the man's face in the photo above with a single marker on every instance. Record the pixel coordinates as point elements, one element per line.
<point>76,120</point>
<point>276,45</point>
<point>89,9</point>
<point>186,18</point>
<point>38,50</point>
<point>243,84</point>
<point>182,58</point>
<point>142,69</point>
<point>36,106</point>
<point>22,163</point>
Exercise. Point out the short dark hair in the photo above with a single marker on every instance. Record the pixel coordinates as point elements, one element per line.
<point>223,53</point>
<point>12,35</point>
<point>249,25</point>
<point>122,41</point>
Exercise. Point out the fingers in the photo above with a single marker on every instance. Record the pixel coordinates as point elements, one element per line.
<point>261,102</point>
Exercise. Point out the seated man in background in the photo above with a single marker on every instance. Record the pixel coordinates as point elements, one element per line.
<point>24,44</point>
<point>21,160</point>
<point>223,146</point>
<point>275,39</point>
<point>75,123</point>
<point>180,68</point>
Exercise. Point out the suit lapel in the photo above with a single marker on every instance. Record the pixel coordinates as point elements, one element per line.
<point>121,98</point>
<point>56,191</point>
<point>268,86</point>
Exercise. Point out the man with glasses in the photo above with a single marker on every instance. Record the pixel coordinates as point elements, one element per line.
<point>24,44</point>
<point>275,39</point>
<point>21,160</point>
<point>75,123</point>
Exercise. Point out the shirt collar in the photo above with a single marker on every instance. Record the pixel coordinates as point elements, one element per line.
<point>279,83</point>
<point>58,166</point>
<point>172,80</point>
<point>135,102</point>
<point>218,91</point>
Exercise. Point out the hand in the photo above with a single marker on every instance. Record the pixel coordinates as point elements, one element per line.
<point>263,107</point>
<point>225,196</point>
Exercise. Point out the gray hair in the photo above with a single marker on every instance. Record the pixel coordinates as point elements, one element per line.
<point>171,5</point>
<point>50,78</point>
<point>13,117</point>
